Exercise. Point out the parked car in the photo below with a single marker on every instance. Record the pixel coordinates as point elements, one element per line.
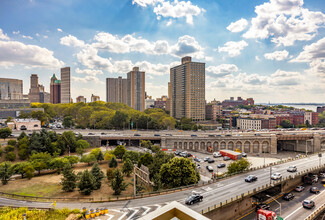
<point>322,175</point>
<point>206,159</point>
<point>276,176</point>
<point>288,196</point>
<point>308,204</point>
<point>251,178</point>
<point>185,154</point>
<point>314,190</point>
<point>221,165</point>
<point>292,169</point>
<point>217,154</point>
<point>177,153</point>
<point>197,159</point>
<point>323,181</point>
<point>244,154</point>
<point>156,135</point>
<point>193,199</point>
<point>299,188</point>
<point>226,158</point>
<point>210,160</point>
<point>137,135</point>
<point>209,168</point>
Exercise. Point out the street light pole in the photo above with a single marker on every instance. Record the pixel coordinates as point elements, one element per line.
<point>270,174</point>
<point>264,154</point>
<point>276,202</point>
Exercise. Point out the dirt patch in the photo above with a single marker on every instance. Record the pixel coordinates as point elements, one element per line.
<point>49,186</point>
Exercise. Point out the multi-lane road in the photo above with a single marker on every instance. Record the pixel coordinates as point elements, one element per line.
<point>213,193</point>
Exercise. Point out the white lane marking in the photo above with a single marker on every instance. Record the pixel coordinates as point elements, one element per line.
<point>110,216</point>
<point>120,218</point>
<point>145,207</point>
<point>130,217</point>
<point>302,206</point>
<point>158,206</point>
<point>114,210</point>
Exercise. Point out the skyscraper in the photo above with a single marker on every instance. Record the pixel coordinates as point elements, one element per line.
<point>11,89</point>
<point>55,90</point>
<point>116,90</point>
<point>136,89</point>
<point>187,88</point>
<point>65,85</point>
<point>37,92</point>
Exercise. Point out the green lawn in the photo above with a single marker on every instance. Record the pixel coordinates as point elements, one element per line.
<point>38,190</point>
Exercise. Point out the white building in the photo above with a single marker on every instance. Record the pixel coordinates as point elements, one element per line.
<point>249,123</point>
<point>27,124</point>
<point>149,103</point>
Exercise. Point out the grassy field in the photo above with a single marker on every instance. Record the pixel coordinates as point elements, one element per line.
<point>49,186</point>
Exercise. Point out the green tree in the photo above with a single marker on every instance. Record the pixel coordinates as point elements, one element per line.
<point>9,119</point>
<point>158,160</point>
<point>11,156</point>
<point>155,149</point>
<point>12,142</point>
<point>110,174</point>
<point>117,183</point>
<point>69,179</point>
<point>132,155</point>
<point>127,167</point>
<point>98,175</point>
<point>86,183</point>
<point>108,156</point>
<point>88,159</point>
<point>100,156</point>
<point>146,144</point>
<point>58,163</point>
<point>40,115</point>
<point>5,132</point>
<point>18,168</point>
<point>1,151</point>
<point>29,170</point>
<point>23,154</point>
<point>67,141</point>
<point>119,151</point>
<point>5,172</point>
<point>145,159</point>
<point>72,159</point>
<point>81,145</point>
<point>286,124</point>
<point>238,166</point>
<point>119,120</point>
<point>178,172</point>
<point>112,163</point>
<point>9,148</point>
<point>157,182</point>
<point>40,161</point>
<point>22,135</point>
<point>68,122</point>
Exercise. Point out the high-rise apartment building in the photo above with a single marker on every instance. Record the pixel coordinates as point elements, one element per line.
<point>65,85</point>
<point>136,89</point>
<point>55,90</point>
<point>187,88</point>
<point>11,89</point>
<point>37,92</point>
<point>116,90</point>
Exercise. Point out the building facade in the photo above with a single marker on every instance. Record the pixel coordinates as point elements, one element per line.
<point>94,98</point>
<point>311,117</point>
<point>65,85</point>
<point>37,92</point>
<point>320,109</point>
<point>55,90</point>
<point>11,89</point>
<point>213,112</point>
<point>136,89</point>
<point>81,99</point>
<point>187,85</point>
<point>116,90</point>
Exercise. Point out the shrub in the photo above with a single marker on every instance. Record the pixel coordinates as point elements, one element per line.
<point>1,151</point>
<point>112,163</point>
<point>12,142</point>
<point>23,154</point>
<point>11,156</point>
<point>9,148</point>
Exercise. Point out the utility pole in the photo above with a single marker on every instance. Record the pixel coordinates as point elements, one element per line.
<point>134,181</point>
<point>270,174</point>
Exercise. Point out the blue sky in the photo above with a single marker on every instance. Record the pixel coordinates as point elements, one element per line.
<point>271,50</point>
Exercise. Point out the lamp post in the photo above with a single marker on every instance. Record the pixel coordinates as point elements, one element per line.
<point>270,174</point>
<point>276,202</point>
<point>264,154</point>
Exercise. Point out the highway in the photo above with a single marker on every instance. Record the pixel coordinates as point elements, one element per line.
<point>213,193</point>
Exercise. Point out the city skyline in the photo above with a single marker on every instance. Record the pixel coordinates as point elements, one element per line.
<point>278,62</point>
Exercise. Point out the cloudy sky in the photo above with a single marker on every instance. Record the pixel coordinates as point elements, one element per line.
<point>271,50</point>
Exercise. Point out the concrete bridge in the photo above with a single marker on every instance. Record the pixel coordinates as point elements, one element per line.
<point>249,143</point>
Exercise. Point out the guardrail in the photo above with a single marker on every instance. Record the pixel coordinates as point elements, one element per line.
<point>316,213</point>
<point>260,189</point>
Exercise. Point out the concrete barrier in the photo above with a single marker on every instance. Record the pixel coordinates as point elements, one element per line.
<point>316,213</point>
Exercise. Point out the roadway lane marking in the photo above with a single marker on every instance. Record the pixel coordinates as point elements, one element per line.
<point>130,217</point>
<point>109,216</point>
<point>120,218</point>
<point>301,206</point>
<point>146,210</point>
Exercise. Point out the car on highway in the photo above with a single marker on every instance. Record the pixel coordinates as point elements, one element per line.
<point>299,188</point>
<point>209,168</point>
<point>262,206</point>
<point>103,133</point>
<point>193,135</point>
<point>137,135</point>
<point>197,159</point>
<point>221,165</point>
<point>217,154</point>
<point>194,198</point>
<point>226,158</point>
<point>169,135</point>
<point>292,169</point>
<point>276,176</point>
<point>314,189</point>
<point>288,196</point>
<point>211,135</point>
<point>91,134</point>
<point>210,160</point>
<point>323,181</point>
<point>308,204</point>
<point>322,175</point>
<point>156,135</point>
<point>251,178</point>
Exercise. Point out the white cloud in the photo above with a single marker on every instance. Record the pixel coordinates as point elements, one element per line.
<point>59,30</point>
<point>277,55</point>
<point>3,36</point>
<point>175,9</point>
<point>17,53</point>
<point>89,58</point>
<point>45,36</point>
<point>222,70</point>
<point>16,32</point>
<point>153,69</point>
<point>87,79</point>
<point>72,41</point>
<point>169,22</point>
<point>90,72</point>
<point>285,78</point>
<point>257,58</point>
<point>284,22</point>
<point>187,46</point>
<point>27,37</point>
<point>233,48</point>
<point>238,26</point>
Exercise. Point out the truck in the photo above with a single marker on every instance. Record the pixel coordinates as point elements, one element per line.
<point>266,215</point>
<point>231,154</point>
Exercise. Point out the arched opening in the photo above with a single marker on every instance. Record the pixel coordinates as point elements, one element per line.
<point>256,147</point>
<point>239,145</point>
<point>196,146</point>
<point>202,146</point>
<point>215,146</point>
<point>247,147</point>
<point>175,144</point>
<point>191,145</point>
<point>223,145</point>
<point>265,147</point>
<point>230,145</point>
<point>322,145</point>
<point>180,145</point>
<point>185,145</point>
